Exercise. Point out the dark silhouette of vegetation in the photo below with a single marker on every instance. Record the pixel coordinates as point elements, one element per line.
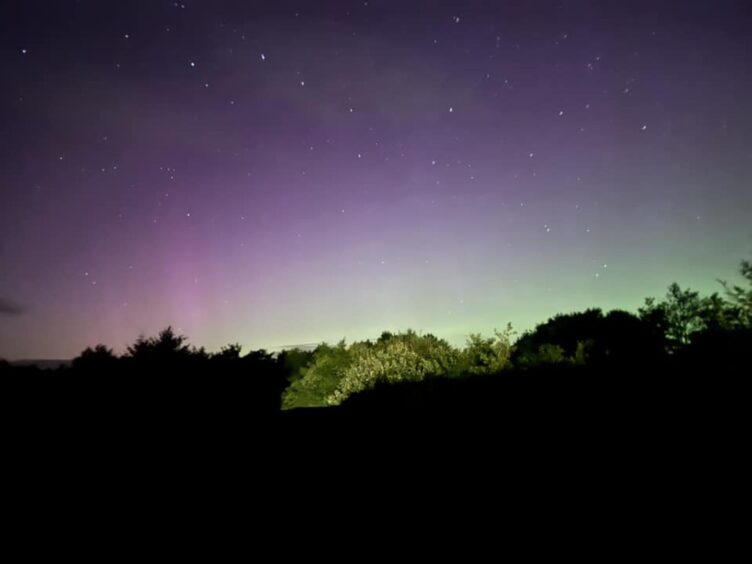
<point>99,360</point>
<point>570,360</point>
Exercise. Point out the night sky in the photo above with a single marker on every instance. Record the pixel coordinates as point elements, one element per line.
<point>280,173</point>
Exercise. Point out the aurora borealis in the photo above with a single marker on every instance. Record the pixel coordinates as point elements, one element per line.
<point>279,173</point>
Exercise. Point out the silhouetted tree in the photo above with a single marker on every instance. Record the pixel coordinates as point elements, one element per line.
<point>166,345</point>
<point>741,297</point>
<point>590,337</point>
<point>682,314</point>
<point>100,360</point>
<point>708,338</point>
<point>228,352</point>
<point>167,354</point>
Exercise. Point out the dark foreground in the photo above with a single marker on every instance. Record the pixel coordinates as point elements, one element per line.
<point>626,443</point>
<point>675,400</point>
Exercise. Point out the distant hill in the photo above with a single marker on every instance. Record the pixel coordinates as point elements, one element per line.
<point>43,363</point>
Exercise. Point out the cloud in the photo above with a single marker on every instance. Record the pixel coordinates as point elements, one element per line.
<point>7,307</point>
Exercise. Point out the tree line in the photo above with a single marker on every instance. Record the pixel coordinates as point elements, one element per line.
<point>681,331</point>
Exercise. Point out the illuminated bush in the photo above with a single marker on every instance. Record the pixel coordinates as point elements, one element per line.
<point>319,379</point>
<point>404,357</point>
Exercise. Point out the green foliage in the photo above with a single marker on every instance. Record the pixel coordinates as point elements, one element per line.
<point>579,338</point>
<point>488,355</point>
<point>396,358</point>
<point>319,379</point>
<point>293,361</point>
<point>548,354</point>
<point>741,298</point>
<point>335,373</point>
<point>679,314</point>
<point>441,355</point>
<point>582,352</point>
<point>551,354</point>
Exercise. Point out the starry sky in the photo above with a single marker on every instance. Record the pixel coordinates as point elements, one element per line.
<point>287,172</point>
